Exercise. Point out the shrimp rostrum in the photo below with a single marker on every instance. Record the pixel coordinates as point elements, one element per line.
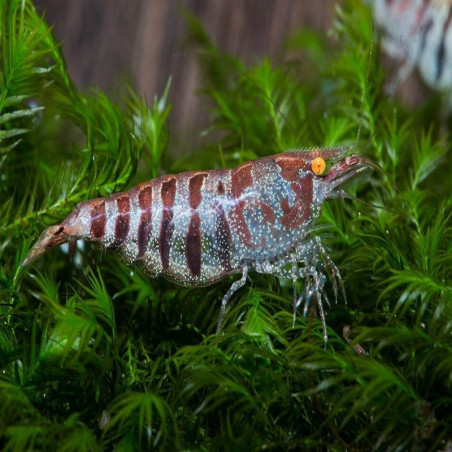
<point>198,227</point>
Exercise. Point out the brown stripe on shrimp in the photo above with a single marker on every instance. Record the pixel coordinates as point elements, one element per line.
<point>168,195</point>
<point>194,189</point>
<point>145,224</point>
<point>241,179</point>
<point>98,219</point>
<point>122,221</point>
<point>290,166</point>
<point>300,210</point>
<point>193,245</point>
<point>193,236</point>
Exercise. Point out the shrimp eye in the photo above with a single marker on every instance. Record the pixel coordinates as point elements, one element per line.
<point>318,166</point>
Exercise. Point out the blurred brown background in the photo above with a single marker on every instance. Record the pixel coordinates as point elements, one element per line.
<point>108,42</point>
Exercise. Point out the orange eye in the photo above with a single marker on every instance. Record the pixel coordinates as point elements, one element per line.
<point>318,166</point>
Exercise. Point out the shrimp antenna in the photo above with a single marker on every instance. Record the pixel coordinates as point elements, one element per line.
<point>382,171</point>
<point>344,195</point>
<point>369,141</point>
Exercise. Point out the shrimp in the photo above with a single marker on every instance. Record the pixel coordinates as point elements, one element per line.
<point>197,227</point>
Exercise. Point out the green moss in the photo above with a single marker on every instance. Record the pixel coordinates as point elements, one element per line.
<point>95,355</point>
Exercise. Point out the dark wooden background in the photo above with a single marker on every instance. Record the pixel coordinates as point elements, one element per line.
<point>108,42</point>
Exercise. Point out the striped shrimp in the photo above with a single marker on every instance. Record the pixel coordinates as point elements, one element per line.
<point>198,227</point>
<point>419,32</point>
